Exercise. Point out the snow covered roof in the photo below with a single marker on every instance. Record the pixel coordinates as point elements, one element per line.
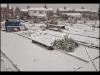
<point>49,9</point>
<point>67,9</point>
<point>94,11</point>
<point>36,9</point>
<point>23,9</point>
<point>41,15</point>
<point>40,9</point>
<point>78,9</point>
<point>73,14</point>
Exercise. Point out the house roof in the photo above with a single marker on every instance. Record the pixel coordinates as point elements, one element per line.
<point>40,9</point>
<point>24,10</point>
<point>73,14</point>
<point>67,9</point>
<point>78,9</point>
<point>94,11</point>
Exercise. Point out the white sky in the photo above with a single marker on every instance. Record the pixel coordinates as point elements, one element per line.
<point>55,6</point>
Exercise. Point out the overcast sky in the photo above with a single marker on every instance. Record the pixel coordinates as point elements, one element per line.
<point>55,6</point>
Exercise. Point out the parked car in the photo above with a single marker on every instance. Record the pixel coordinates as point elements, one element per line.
<point>13,25</point>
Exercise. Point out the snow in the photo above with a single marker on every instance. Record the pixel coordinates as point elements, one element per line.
<point>47,37</point>
<point>87,67</point>
<point>25,10</point>
<point>97,63</point>
<point>94,11</point>
<point>78,32</point>
<point>72,14</point>
<point>83,33</point>
<point>2,25</point>
<point>67,9</point>
<point>41,15</point>
<point>49,9</point>
<point>81,52</point>
<point>90,67</point>
<point>31,57</point>
<point>89,41</point>
<point>37,9</point>
<point>6,65</point>
<point>70,9</point>
<point>78,9</point>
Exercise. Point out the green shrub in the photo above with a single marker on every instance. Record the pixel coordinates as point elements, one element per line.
<point>66,44</point>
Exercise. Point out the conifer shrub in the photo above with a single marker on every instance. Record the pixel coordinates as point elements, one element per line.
<point>66,44</point>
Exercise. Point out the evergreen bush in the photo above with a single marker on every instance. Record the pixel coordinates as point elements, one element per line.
<point>66,44</point>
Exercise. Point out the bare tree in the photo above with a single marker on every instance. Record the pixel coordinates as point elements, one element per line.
<point>17,11</point>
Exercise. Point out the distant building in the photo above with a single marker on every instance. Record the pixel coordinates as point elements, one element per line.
<point>78,12</point>
<point>60,11</point>
<point>24,14</point>
<point>40,13</point>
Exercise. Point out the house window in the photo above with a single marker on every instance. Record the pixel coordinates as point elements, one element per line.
<point>40,12</point>
<point>34,11</point>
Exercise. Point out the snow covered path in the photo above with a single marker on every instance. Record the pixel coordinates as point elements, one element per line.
<point>7,64</point>
<point>31,57</point>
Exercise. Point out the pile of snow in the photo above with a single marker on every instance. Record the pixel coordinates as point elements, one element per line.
<point>33,26</point>
<point>3,25</point>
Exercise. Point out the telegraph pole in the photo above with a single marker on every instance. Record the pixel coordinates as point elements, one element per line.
<point>7,17</point>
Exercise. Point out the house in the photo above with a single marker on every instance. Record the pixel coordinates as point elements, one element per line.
<point>60,11</point>
<point>24,14</point>
<point>79,13</point>
<point>40,13</point>
<point>87,14</point>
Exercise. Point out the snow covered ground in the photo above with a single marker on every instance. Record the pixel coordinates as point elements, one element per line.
<point>83,30</point>
<point>31,57</point>
<point>47,37</point>
<point>79,32</point>
<point>7,64</point>
<point>2,25</point>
